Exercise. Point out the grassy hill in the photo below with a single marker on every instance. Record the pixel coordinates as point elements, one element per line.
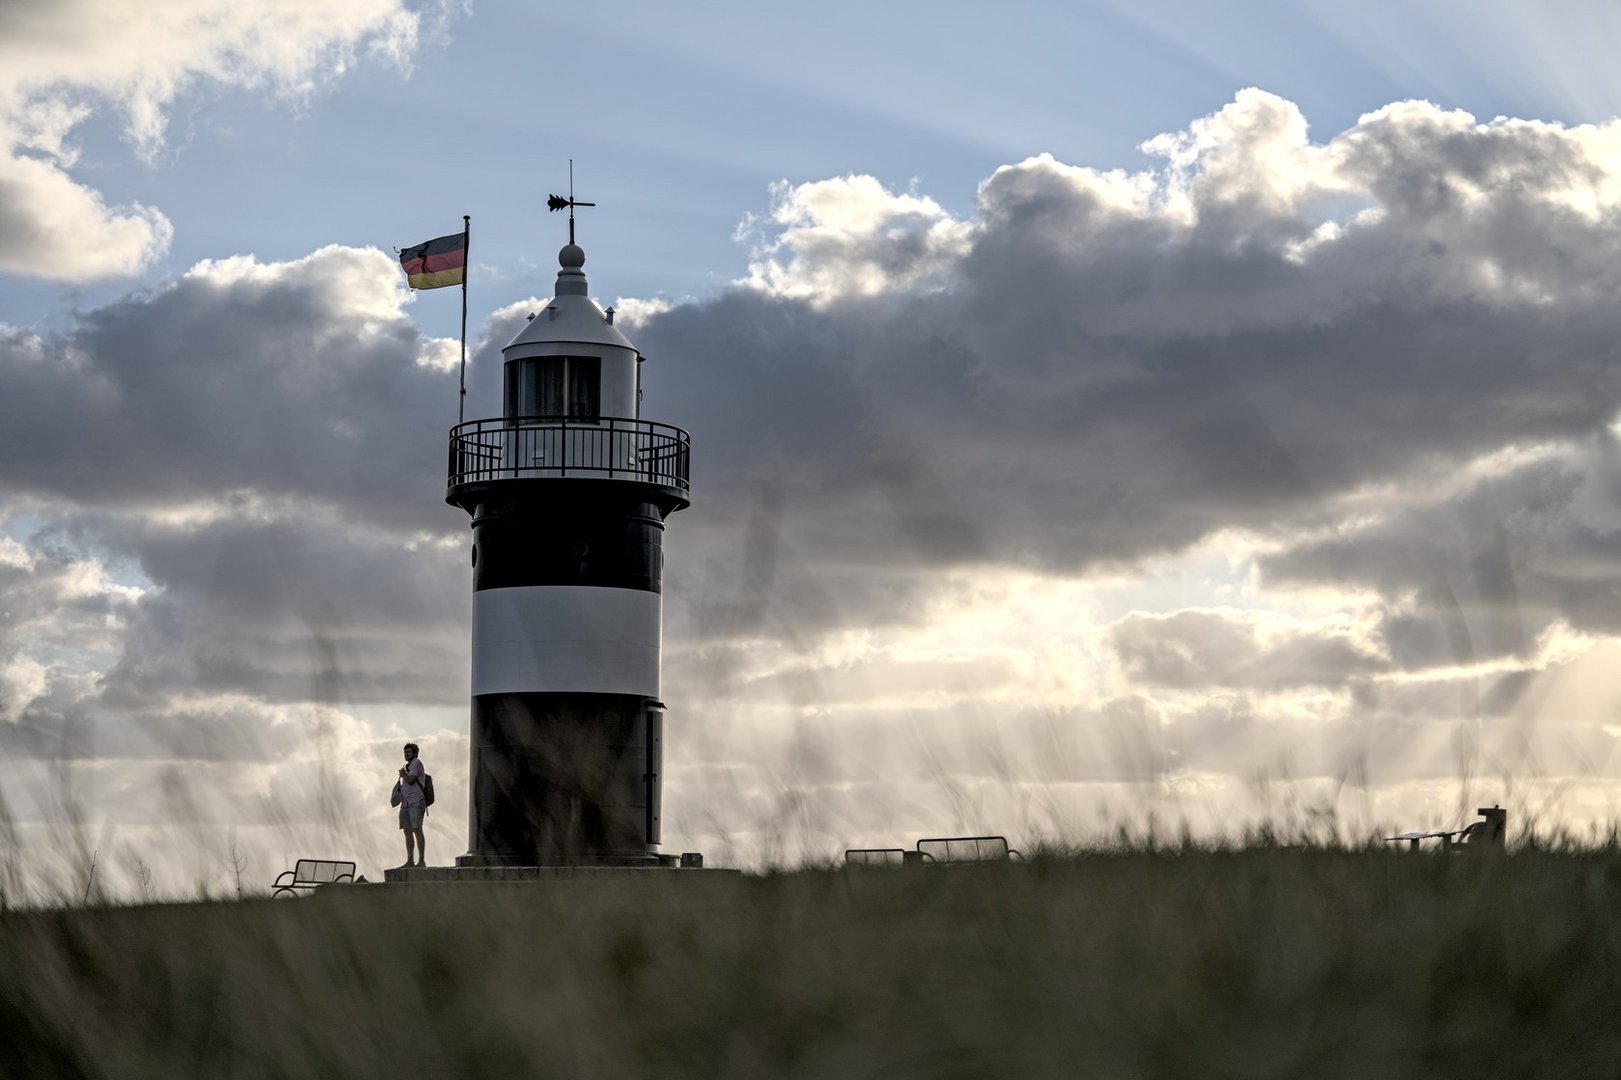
<point>1259,963</point>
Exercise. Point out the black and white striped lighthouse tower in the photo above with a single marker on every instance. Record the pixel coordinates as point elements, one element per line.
<point>569,490</point>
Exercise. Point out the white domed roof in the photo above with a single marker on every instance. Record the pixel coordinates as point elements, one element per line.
<point>572,317</point>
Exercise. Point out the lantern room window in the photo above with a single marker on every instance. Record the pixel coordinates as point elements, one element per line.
<point>568,386</point>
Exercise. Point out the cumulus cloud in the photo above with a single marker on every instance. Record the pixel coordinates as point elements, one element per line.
<point>1494,571</point>
<point>634,311</point>
<point>53,227</point>
<point>850,236</point>
<point>223,521</point>
<point>1384,361</point>
<point>1123,364</point>
<point>94,54</point>
<point>1386,357</point>
<point>237,380</point>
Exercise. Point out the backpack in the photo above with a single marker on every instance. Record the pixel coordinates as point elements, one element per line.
<point>427,790</point>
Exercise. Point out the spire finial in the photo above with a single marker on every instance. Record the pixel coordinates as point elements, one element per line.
<point>556,202</point>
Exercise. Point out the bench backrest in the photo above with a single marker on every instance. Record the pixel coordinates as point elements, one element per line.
<point>874,856</point>
<point>322,871</point>
<point>964,848</point>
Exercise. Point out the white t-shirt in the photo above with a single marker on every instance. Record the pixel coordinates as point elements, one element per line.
<point>409,792</point>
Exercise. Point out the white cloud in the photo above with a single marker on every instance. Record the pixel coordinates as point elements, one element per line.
<point>850,236</point>
<point>1383,360</point>
<point>1252,155</point>
<point>54,227</point>
<point>14,555</point>
<point>440,354</point>
<point>1278,458</point>
<point>61,60</point>
<point>22,681</point>
<point>631,311</point>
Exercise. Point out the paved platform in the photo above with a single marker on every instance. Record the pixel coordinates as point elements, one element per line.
<point>440,875</point>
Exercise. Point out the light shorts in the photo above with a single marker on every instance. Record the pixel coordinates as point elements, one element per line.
<point>411,814</point>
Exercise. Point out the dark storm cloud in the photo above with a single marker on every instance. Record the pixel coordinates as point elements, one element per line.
<point>1481,573</point>
<point>1392,705</point>
<point>80,730</point>
<point>1104,380</point>
<point>228,496</point>
<point>1197,650</point>
<point>1116,365</point>
<point>293,380</point>
<point>1095,369</point>
<point>264,608</point>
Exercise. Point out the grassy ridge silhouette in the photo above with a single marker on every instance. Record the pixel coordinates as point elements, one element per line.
<point>1136,958</point>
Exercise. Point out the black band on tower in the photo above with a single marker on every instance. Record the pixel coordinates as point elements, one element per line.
<point>564,776</point>
<point>613,539</point>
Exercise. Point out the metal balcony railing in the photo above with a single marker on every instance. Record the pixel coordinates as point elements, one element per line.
<point>522,447</point>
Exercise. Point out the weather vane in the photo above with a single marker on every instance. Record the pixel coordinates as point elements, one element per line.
<point>557,202</point>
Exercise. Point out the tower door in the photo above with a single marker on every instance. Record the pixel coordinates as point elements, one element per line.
<point>655,765</point>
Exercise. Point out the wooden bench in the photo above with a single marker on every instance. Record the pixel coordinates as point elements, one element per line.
<point>312,874</point>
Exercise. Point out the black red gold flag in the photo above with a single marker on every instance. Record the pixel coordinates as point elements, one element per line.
<point>437,263</point>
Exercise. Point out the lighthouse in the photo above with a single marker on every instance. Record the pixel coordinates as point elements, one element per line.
<point>568,490</point>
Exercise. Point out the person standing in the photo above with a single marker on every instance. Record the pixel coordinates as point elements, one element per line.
<point>413,805</point>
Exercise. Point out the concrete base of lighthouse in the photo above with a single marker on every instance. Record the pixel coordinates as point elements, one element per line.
<point>519,875</point>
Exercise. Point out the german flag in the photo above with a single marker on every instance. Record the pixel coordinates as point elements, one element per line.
<point>437,263</point>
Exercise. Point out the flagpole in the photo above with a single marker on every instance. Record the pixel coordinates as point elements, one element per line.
<point>467,236</point>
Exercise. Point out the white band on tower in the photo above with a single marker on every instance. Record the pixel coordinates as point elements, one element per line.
<point>567,639</point>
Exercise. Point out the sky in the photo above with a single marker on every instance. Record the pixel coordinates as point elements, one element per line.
<point>1102,419</point>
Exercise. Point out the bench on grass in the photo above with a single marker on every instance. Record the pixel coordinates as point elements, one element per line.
<point>940,849</point>
<point>874,856</point>
<point>1489,832</point>
<point>312,874</point>
<point>965,849</point>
